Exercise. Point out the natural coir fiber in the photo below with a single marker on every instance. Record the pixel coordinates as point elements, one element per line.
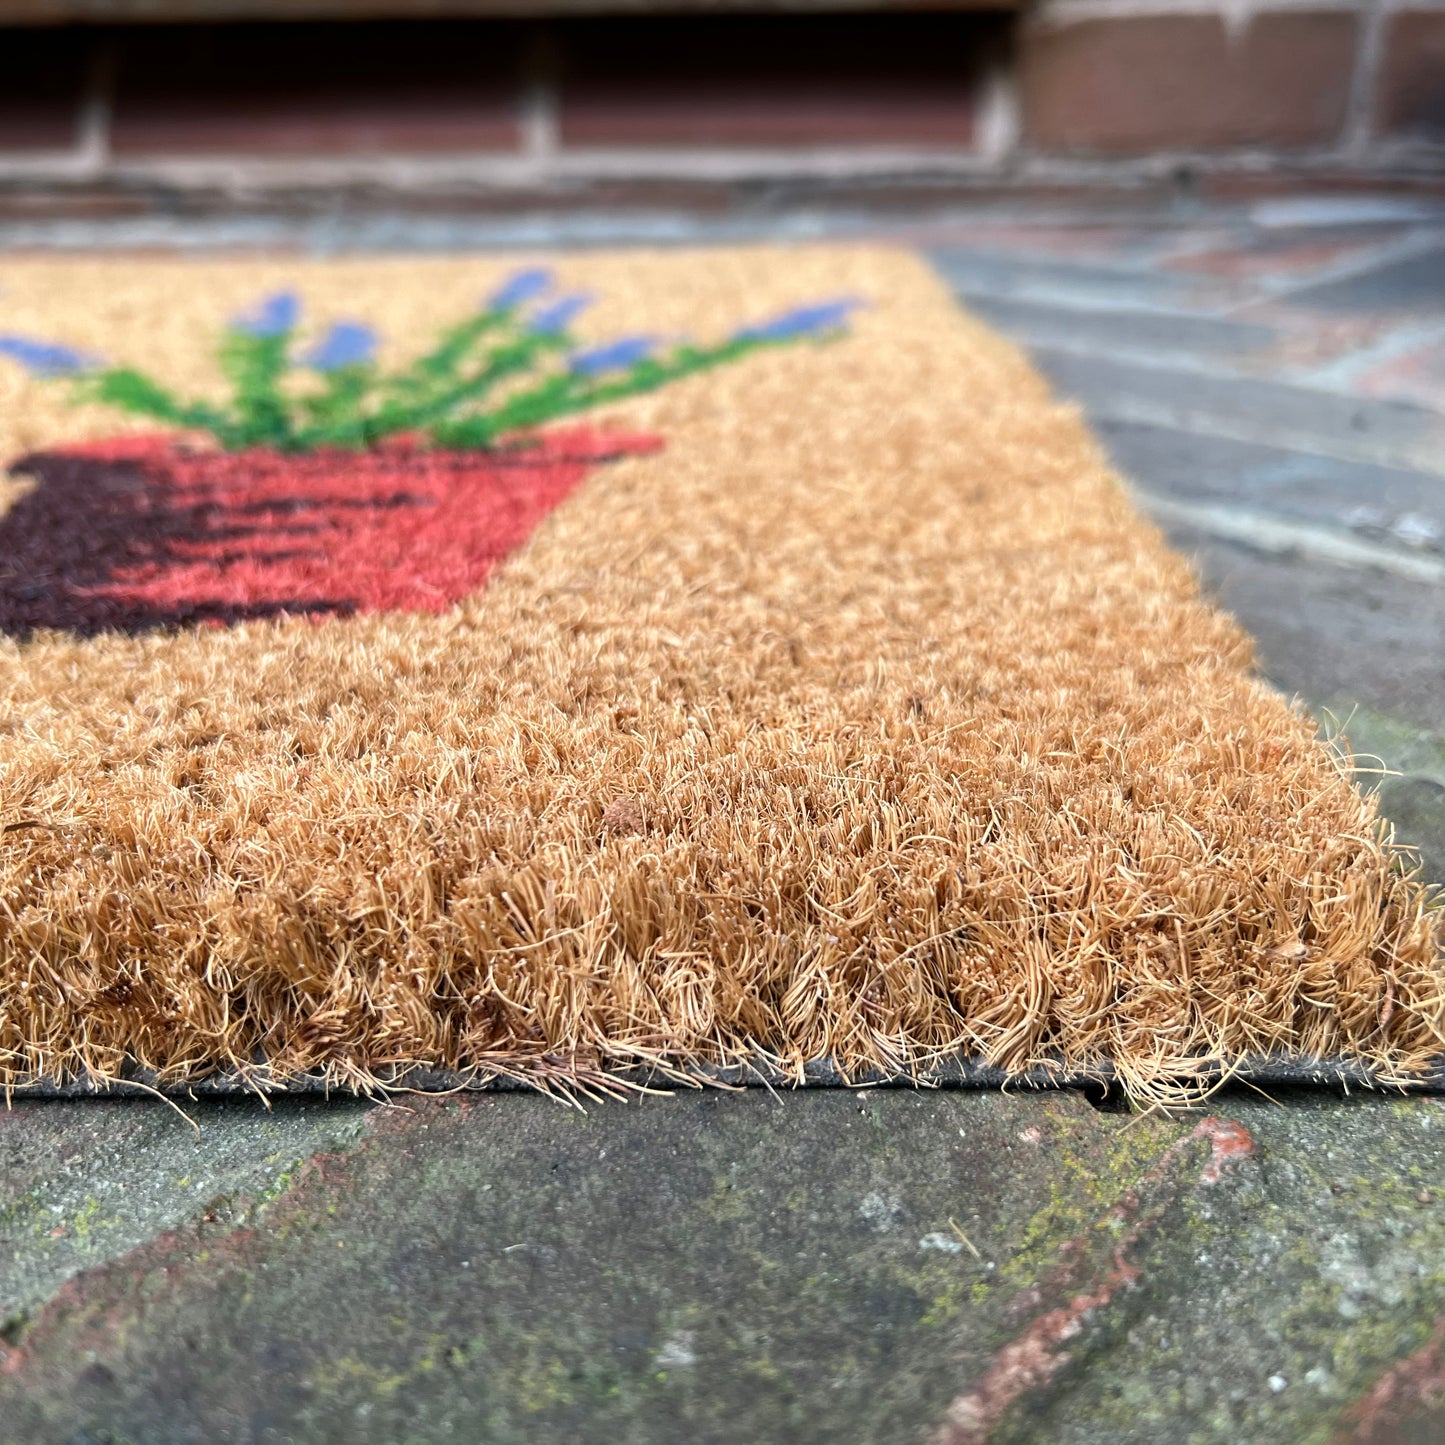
<point>829,701</point>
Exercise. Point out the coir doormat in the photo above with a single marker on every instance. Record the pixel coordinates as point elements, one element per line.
<point>681,665</point>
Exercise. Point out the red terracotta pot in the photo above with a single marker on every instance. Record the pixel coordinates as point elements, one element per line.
<point>142,532</point>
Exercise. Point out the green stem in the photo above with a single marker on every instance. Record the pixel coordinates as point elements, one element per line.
<point>254,365</point>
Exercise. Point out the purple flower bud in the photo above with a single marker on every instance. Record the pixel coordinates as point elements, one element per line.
<point>615,356</point>
<point>348,343</point>
<point>556,318</point>
<point>275,316</point>
<point>518,289</point>
<point>802,321</point>
<point>44,358</point>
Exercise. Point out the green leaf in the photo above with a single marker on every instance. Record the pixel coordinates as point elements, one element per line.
<point>439,368</point>
<point>568,394</point>
<point>444,404</point>
<point>132,391</point>
<point>339,415</point>
<point>254,365</point>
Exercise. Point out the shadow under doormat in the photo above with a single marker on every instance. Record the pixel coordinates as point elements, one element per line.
<point>695,665</point>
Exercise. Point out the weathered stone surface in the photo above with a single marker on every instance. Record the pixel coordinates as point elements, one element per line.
<point>1279,253</point>
<point>1129,332</point>
<point>826,1266</point>
<point>1271,413</point>
<point>719,1267</point>
<point>1278,1299</point>
<point>1416,806</point>
<point>1406,765</point>
<point>79,1187</point>
<point>1388,504</point>
<point>984,271</point>
<point>1410,286</point>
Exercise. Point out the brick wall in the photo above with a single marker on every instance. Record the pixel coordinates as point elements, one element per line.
<point>1126,78</point>
<point>1059,93</point>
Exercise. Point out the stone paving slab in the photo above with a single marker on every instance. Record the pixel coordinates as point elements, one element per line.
<point>1378,431</point>
<point>1410,285</point>
<point>1117,332</point>
<point>1268,254</point>
<point>1388,504</point>
<point>946,1267</point>
<point>81,1187</point>
<point>1016,275</point>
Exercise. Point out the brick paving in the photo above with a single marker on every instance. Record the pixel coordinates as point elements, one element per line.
<point>840,1266</point>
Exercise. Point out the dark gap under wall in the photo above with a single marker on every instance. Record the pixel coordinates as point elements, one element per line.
<point>784,80</point>
<point>430,87</point>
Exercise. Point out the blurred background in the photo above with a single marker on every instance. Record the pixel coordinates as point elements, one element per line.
<point>112,108</point>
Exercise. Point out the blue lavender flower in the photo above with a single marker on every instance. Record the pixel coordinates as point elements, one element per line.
<point>348,343</point>
<point>615,356</point>
<point>275,316</point>
<point>556,318</point>
<point>518,289</point>
<point>812,320</point>
<point>44,358</point>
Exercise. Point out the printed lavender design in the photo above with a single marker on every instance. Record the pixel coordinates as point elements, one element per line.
<point>512,366</point>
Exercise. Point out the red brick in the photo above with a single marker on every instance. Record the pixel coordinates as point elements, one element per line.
<point>1143,83</point>
<point>1411,88</point>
